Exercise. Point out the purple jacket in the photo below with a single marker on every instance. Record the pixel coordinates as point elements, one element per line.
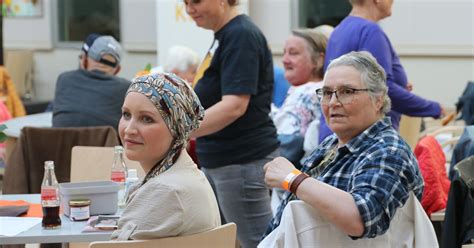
<point>358,34</point>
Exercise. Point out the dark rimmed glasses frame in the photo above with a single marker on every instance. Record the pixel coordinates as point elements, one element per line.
<point>344,95</point>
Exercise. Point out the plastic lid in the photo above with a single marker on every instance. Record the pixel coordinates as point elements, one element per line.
<point>132,173</point>
<point>79,202</point>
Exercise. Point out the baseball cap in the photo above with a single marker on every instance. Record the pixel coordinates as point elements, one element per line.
<point>89,41</point>
<point>97,46</point>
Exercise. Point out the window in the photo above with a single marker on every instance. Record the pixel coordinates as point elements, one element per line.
<point>78,18</point>
<point>313,13</point>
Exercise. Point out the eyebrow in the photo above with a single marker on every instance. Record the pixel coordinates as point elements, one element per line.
<point>124,108</point>
<point>148,112</point>
<point>341,86</point>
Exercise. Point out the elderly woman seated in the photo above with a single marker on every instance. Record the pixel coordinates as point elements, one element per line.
<point>174,198</point>
<point>360,175</point>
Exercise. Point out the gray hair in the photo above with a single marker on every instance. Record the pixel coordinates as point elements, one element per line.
<point>372,75</point>
<point>316,43</point>
<point>180,58</point>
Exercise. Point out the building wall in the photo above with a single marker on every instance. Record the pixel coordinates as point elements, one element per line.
<point>434,38</point>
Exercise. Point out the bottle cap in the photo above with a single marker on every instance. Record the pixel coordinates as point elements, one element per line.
<point>49,164</point>
<point>118,148</point>
<point>132,173</point>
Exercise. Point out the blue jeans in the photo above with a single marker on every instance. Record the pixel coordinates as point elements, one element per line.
<point>243,197</point>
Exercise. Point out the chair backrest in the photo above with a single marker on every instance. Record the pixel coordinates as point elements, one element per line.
<point>223,237</point>
<point>19,64</point>
<point>85,159</point>
<point>463,149</point>
<point>304,226</point>
<point>25,168</point>
<point>465,169</point>
<point>410,129</point>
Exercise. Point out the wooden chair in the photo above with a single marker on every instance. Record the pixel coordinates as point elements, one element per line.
<point>410,129</point>
<point>93,163</point>
<point>222,237</point>
<point>19,63</point>
<point>448,136</point>
<point>25,169</point>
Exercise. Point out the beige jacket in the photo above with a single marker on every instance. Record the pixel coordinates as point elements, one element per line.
<point>303,226</point>
<point>178,202</point>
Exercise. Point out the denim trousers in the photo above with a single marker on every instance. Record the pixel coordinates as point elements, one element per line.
<point>243,197</point>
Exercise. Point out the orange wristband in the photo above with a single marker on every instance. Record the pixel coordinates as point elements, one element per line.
<point>289,179</point>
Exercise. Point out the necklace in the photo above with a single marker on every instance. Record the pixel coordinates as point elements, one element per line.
<point>328,158</point>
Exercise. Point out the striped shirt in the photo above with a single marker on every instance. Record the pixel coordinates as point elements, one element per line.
<point>377,168</point>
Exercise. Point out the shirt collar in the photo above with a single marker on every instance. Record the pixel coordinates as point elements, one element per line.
<point>369,134</point>
<point>353,146</point>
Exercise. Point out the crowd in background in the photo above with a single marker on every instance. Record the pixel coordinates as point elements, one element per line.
<point>323,128</point>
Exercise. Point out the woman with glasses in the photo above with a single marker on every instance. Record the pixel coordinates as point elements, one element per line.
<point>359,177</point>
<point>360,32</point>
<point>303,60</point>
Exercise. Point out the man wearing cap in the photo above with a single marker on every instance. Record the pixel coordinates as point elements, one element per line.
<point>91,95</point>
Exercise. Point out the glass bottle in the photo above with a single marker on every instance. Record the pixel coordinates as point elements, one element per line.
<point>119,174</point>
<point>50,198</point>
<point>132,178</point>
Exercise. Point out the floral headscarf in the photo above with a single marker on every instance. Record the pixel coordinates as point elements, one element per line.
<point>179,107</point>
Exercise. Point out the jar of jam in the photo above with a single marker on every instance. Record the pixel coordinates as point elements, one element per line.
<point>79,209</point>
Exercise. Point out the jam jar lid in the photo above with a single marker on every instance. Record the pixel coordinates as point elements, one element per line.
<point>79,202</point>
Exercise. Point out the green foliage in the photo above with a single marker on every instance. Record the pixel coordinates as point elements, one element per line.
<point>148,67</point>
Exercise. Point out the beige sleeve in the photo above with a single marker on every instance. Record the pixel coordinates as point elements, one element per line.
<point>154,211</point>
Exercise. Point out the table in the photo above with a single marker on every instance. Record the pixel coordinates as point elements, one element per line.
<point>70,231</point>
<point>15,125</point>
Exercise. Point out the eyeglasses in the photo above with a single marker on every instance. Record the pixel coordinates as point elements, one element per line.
<point>344,95</point>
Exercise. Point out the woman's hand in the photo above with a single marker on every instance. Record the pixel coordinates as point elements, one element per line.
<point>276,171</point>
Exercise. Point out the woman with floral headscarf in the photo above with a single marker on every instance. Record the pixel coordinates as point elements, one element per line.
<point>174,198</point>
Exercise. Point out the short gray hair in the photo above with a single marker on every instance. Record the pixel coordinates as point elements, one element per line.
<point>181,58</point>
<point>372,75</point>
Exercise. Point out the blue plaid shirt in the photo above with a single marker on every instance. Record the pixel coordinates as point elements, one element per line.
<point>377,168</point>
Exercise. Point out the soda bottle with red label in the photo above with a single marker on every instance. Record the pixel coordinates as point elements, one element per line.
<point>119,173</point>
<point>50,198</point>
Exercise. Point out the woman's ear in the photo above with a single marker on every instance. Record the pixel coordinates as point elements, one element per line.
<point>379,103</point>
<point>321,60</point>
<point>319,65</point>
